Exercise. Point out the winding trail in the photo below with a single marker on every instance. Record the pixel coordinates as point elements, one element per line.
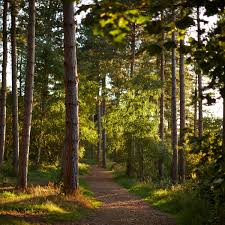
<point>119,206</point>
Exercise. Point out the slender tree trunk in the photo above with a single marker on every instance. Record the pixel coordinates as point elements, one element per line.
<point>103,129</point>
<point>200,115</point>
<point>71,181</point>
<point>43,105</point>
<point>223,146</point>
<point>129,166</point>
<point>162,77</point>
<point>20,72</point>
<point>15,124</point>
<point>3,91</point>
<point>196,107</point>
<point>99,119</point>
<point>28,98</point>
<point>174,113</point>
<point>182,117</point>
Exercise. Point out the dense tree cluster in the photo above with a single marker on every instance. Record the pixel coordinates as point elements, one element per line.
<point>141,89</point>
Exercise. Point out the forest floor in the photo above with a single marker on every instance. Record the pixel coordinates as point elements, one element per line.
<point>102,202</point>
<point>119,207</point>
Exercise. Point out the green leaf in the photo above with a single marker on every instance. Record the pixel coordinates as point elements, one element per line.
<point>120,37</point>
<point>132,12</point>
<point>104,22</point>
<point>122,23</point>
<point>142,19</point>
<point>115,32</point>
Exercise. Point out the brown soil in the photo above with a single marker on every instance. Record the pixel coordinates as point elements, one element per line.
<point>119,206</point>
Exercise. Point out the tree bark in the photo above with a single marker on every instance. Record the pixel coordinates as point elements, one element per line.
<point>196,107</point>
<point>162,77</point>
<point>20,73</point>
<point>174,113</point>
<point>103,128</point>
<point>200,114</point>
<point>181,170</point>
<point>15,123</point>
<point>99,117</point>
<point>28,98</point>
<point>70,175</point>
<point>223,144</point>
<point>3,91</point>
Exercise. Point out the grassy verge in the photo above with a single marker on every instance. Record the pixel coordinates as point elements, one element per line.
<point>45,202</point>
<point>179,200</point>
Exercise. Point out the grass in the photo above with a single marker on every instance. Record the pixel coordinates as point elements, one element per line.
<point>8,221</point>
<point>43,200</point>
<point>41,175</point>
<point>179,200</point>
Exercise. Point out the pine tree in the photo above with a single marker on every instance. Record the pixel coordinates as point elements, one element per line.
<point>162,78</point>
<point>70,176</point>
<point>103,129</point>
<point>200,114</point>
<point>174,111</point>
<point>28,98</point>
<point>4,86</point>
<point>15,123</point>
<point>182,116</point>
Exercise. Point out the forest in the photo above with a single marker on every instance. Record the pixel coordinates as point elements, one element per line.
<point>112,112</point>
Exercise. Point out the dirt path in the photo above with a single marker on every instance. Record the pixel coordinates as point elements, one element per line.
<point>119,206</point>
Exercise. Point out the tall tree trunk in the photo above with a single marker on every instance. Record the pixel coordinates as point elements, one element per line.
<point>28,98</point>
<point>174,112</point>
<point>223,145</point>
<point>103,129</point>
<point>182,117</point>
<point>71,181</point>
<point>196,107</point>
<point>15,124</point>
<point>200,116</point>
<point>99,119</point>
<point>162,77</point>
<point>3,91</point>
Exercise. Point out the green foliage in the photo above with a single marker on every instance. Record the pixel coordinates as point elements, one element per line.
<point>185,23</point>
<point>154,27</point>
<point>180,200</point>
<point>154,49</point>
<point>114,19</point>
<point>210,175</point>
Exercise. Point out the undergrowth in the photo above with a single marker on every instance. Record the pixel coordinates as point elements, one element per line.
<point>182,201</point>
<point>44,200</point>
